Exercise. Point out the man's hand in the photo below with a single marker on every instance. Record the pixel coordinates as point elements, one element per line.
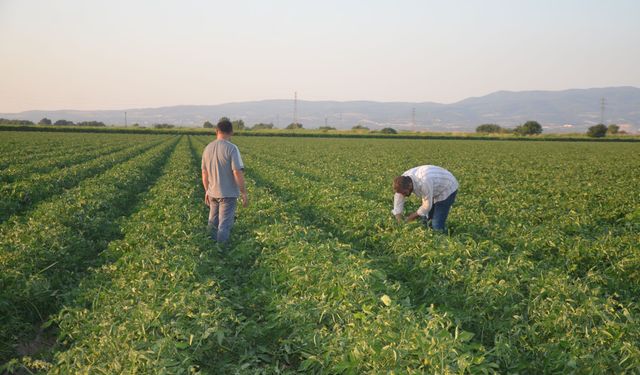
<point>206,198</point>
<point>412,217</point>
<point>244,199</point>
<point>399,218</point>
<point>239,177</point>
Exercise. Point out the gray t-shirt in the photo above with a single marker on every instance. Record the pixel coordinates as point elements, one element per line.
<point>219,159</point>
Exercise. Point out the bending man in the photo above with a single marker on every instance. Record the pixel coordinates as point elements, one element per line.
<point>434,185</point>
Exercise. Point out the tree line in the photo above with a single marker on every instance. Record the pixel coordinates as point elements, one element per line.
<point>528,128</point>
<point>46,121</point>
<point>240,125</point>
<point>601,130</point>
<point>533,128</point>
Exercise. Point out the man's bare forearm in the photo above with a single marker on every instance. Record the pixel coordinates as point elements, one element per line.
<point>239,177</point>
<point>412,217</point>
<point>205,181</point>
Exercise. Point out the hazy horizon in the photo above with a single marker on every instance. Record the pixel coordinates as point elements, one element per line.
<point>300,100</point>
<point>78,55</point>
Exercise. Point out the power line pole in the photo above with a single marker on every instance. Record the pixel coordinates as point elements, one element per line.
<point>413,118</point>
<point>602,105</point>
<point>125,119</point>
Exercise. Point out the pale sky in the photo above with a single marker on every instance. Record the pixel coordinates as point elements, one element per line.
<point>89,54</point>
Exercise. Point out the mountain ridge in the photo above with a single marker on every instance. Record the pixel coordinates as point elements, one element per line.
<point>572,110</point>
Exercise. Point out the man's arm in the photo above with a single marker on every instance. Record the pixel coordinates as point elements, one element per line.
<point>239,177</point>
<point>238,174</point>
<point>427,199</point>
<point>412,217</point>
<point>205,183</point>
<point>398,207</point>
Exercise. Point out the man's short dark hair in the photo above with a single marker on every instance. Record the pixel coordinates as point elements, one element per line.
<point>401,183</point>
<point>225,126</point>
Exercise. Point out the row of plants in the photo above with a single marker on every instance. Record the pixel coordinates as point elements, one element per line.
<point>154,305</point>
<point>45,254</point>
<point>17,147</point>
<point>316,305</point>
<point>39,165</point>
<point>27,193</point>
<point>491,276</point>
<point>16,155</point>
<point>40,161</point>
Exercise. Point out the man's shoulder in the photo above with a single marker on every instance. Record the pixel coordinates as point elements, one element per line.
<point>232,146</point>
<point>416,170</point>
<point>211,144</point>
<point>431,169</point>
<point>219,143</point>
<point>224,143</point>
<point>223,146</point>
<point>423,172</point>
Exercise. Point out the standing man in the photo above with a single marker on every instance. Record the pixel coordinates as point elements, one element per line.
<point>223,180</point>
<point>434,185</point>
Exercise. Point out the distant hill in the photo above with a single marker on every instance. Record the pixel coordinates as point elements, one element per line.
<point>558,111</point>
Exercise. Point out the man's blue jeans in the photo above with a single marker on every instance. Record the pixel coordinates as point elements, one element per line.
<point>439,212</point>
<point>221,216</point>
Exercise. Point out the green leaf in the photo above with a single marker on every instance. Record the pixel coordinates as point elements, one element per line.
<point>465,336</point>
<point>219,337</point>
<point>182,345</point>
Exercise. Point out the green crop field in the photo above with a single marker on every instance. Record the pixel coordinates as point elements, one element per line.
<point>106,268</point>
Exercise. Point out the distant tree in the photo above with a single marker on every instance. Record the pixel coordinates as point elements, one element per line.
<point>207,125</point>
<point>326,128</point>
<point>597,131</point>
<point>613,129</point>
<point>44,121</point>
<point>91,123</point>
<point>136,125</point>
<point>63,123</point>
<point>294,126</point>
<point>389,131</point>
<point>5,121</point>
<point>489,128</point>
<point>261,126</point>
<point>163,126</point>
<point>237,125</point>
<point>360,127</point>
<point>528,128</point>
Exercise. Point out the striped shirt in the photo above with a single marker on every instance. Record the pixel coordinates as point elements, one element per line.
<point>432,184</point>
